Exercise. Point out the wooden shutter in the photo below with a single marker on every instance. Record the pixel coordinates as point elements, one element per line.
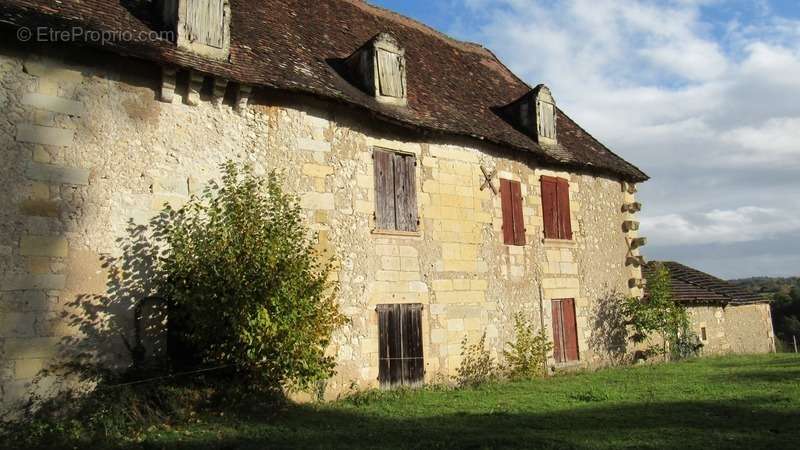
<point>507,203</point>
<point>405,192</point>
<point>413,367</point>
<point>390,74</point>
<point>385,327</point>
<point>564,219</point>
<point>558,331</point>
<point>519,217</point>
<point>206,22</point>
<point>550,207</point>
<point>385,210</point>
<point>570,330</point>
<point>547,119</point>
<point>400,345</point>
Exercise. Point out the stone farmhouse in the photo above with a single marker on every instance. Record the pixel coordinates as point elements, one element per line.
<point>727,318</point>
<point>453,194</point>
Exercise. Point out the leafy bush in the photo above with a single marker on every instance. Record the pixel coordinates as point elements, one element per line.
<point>477,364</point>
<point>121,409</point>
<point>659,314</point>
<point>526,355</point>
<point>246,283</point>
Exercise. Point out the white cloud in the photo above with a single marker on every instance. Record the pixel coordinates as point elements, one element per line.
<point>745,224</point>
<point>776,141</point>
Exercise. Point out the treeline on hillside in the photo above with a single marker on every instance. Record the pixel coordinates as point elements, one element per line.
<point>785,296</point>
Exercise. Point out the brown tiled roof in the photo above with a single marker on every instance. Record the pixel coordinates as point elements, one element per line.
<point>693,286</point>
<point>453,87</point>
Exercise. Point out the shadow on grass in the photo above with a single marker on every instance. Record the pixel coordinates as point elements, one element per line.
<point>754,423</point>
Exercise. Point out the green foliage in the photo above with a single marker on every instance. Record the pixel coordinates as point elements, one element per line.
<point>526,355</point>
<point>659,314</point>
<point>246,282</point>
<point>477,364</point>
<point>746,402</point>
<point>120,409</point>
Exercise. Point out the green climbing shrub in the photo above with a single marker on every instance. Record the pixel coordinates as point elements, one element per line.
<point>478,366</point>
<point>526,355</point>
<point>659,315</point>
<point>245,283</point>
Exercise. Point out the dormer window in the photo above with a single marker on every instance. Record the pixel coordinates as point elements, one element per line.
<point>379,69</point>
<point>546,114</point>
<point>391,67</point>
<point>202,26</point>
<point>535,115</point>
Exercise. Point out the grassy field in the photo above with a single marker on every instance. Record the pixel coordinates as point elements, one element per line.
<point>732,402</point>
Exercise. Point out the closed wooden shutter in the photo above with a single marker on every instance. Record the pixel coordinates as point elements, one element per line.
<point>401,362</point>
<point>385,210</point>
<point>558,332</point>
<point>519,217</point>
<point>508,215</point>
<point>405,192</point>
<point>564,219</point>
<point>206,22</point>
<point>390,74</point>
<point>570,329</point>
<point>550,207</point>
<point>395,191</point>
<point>413,367</point>
<point>547,120</point>
<point>565,331</point>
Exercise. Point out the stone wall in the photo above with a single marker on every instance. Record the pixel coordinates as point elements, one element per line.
<point>88,150</point>
<point>734,329</point>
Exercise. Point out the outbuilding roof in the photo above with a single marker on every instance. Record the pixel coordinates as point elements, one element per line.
<point>453,87</point>
<point>691,286</point>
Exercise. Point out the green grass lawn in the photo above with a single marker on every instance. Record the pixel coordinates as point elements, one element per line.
<point>732,402</point>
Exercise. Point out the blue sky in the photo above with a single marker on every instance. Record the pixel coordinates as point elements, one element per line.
<point>704,95</point>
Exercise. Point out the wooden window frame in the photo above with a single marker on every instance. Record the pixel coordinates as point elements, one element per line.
<point>401,359</point>
<point>566,347</point>
<point>513,212</point>
<point>556,211</point>
<point>396,206</point>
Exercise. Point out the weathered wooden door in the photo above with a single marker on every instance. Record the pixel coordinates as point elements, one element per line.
<point>565,331</point>
<point>400,341</point>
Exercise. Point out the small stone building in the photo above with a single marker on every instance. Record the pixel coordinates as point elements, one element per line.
<point>452,194</point>
<point>727,318</point>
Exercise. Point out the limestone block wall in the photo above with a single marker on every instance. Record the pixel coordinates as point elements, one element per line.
<point>88,151</point>
<point>734,329</point>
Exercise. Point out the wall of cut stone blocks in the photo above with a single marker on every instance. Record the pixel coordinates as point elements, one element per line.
<point>740,329</point>
<point>88,151</point>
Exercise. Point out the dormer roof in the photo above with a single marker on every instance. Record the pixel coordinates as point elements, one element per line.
<point>452,87</point>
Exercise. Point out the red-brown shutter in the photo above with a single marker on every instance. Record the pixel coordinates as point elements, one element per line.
<point>558,331</point>
<point>564,219</point>
<point>550,207</point>
<point>570,330</point>
<point>385,209</point>
<point>519,217</point>
<point>506,200</point>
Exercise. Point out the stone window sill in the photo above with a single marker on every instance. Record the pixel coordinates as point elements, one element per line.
<point>561,243</point>
<point>569,365</point>
<point>397,233</point>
